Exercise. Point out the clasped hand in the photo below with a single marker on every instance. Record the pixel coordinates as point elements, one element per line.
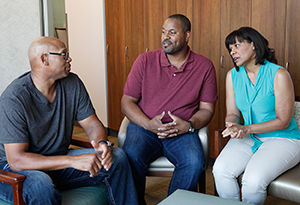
<point>93,162</point>
<point>166,130</point>
<point>234,130</point>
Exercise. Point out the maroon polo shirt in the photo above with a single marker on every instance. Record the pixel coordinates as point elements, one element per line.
<point>160,86</point>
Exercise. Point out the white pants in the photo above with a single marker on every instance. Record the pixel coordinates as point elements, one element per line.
<point>273,157</point>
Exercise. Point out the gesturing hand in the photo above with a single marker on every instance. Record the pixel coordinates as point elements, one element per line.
<point>234,130</point>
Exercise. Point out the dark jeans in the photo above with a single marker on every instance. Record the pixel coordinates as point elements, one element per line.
<point>43,187</point>
<point>185,152</point>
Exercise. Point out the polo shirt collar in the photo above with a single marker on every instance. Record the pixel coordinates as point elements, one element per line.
<point>165,62</point>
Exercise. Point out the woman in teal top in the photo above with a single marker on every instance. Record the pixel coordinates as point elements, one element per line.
<point>267,144</point>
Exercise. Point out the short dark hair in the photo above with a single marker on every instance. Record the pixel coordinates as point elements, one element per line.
<point>185,22</point>
<point>261,44</point>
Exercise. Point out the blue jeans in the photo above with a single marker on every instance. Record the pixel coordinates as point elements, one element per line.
<point>43,187</point>
<point>184,151</point>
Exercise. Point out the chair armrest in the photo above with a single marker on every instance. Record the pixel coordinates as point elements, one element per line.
<point>122,132</point>
<point>81,142</point>
<point>204,139</point>
<point>220,142</point>
<point>16,181</point>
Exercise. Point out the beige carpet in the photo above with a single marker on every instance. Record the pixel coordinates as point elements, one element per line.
<point>156,189</point>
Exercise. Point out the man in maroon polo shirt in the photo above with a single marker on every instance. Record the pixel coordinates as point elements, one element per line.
<point>169,95</point>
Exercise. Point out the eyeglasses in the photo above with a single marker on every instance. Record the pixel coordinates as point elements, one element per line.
<point>66,54</point>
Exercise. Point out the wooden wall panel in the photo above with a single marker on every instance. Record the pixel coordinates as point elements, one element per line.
<point>181,7</point>
<point>155,15</point>
<point>206,41</point>
<point>134,31</point>
<point>292,42</point>
<point>230,21</point>
<point>268,17</point>
<point>114,12</point>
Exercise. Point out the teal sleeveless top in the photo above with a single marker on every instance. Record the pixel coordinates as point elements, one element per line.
<point>257,102</point>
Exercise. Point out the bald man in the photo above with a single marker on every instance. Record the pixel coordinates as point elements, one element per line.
<point>37,115</point>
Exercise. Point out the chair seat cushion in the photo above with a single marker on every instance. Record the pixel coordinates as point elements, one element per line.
<point>287,185</point>
<point>84,195</point>
<point>161,164</point>
<point>89,195</point>
<point>4,203</point>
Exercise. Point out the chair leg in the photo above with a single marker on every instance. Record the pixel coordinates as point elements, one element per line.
<point>215,191</point>
<point>202,183</point>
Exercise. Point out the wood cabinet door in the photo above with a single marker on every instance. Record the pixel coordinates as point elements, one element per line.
<point>181,7</point>
<point>268,18</point>
<point>155,16</point>
<point>292,42</point>
<point>206,41</point>
<point>134,31</point>
<point>115,40</point>
<point>234,15</point>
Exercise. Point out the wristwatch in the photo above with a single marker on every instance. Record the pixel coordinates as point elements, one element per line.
<point>107,142</point>
<point>191,129</point>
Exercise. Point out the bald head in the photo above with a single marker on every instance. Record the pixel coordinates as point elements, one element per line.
<point>40,46</point>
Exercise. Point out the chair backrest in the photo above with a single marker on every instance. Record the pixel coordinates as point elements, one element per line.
<point>297,111</point>
<point>122,132</point>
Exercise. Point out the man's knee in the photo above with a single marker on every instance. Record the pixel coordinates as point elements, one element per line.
<point>119,156</point>
<point>133,152</point>
<point>195,163</point>
<point>39,184</point>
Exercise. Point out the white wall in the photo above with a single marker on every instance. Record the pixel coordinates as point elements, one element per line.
<point>86,29</point>
<point>20,24</point>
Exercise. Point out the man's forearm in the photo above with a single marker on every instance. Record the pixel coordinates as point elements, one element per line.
<point>134,113</point>
<point>201,118</point>
<point>94,128</point>
<point>97,133</point>
<point>32,161</point>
